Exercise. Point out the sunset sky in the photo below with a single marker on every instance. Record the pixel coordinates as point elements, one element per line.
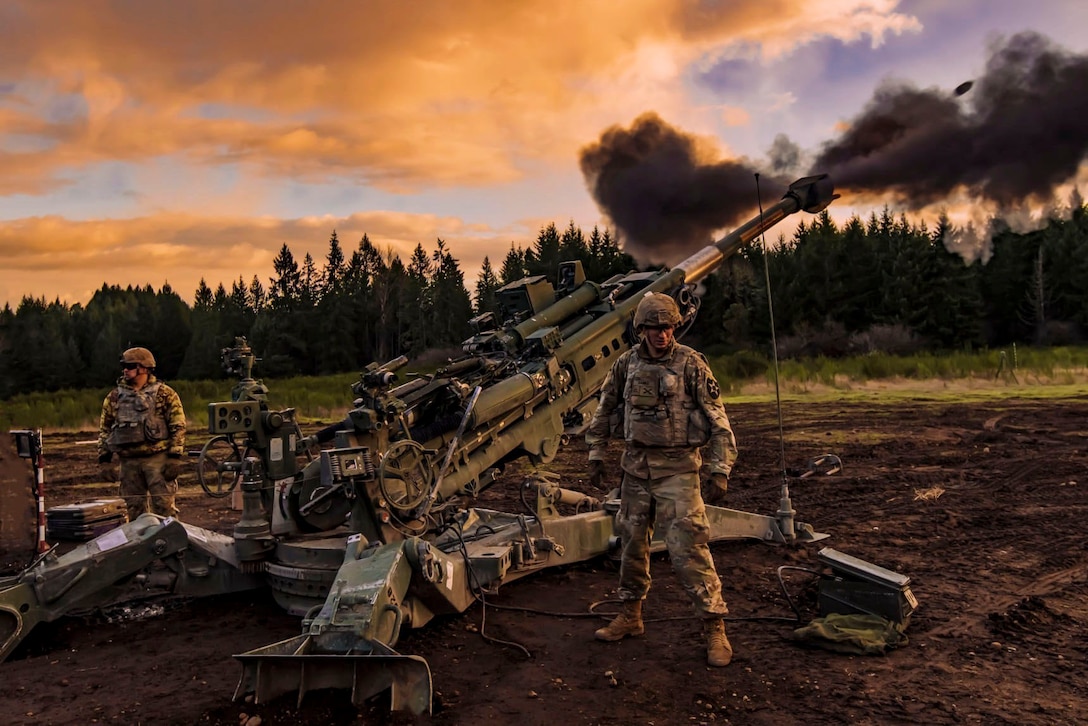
<point>147,141</point>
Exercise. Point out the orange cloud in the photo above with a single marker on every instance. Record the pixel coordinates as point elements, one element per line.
<point>397,96</point>
<point>54,257</point>
<point>400,96</point>
<point>735,116</point>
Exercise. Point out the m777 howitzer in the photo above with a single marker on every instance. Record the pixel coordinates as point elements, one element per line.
<point>374,535</point>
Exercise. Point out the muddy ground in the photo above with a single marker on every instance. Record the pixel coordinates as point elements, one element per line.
<point>983,506</point>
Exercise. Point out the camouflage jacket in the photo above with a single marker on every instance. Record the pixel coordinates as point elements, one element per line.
<point>667,410</point>
<point>161,427</point>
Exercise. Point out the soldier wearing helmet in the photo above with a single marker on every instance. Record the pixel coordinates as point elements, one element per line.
<point>664,399</point>
<point>144,424</point>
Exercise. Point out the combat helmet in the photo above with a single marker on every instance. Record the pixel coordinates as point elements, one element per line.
<point>139,355</point>
<point>657,309</point>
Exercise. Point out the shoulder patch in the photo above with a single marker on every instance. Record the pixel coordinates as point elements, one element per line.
<point>713,390</point>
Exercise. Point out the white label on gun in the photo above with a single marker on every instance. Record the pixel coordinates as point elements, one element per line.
<point>111,539</point>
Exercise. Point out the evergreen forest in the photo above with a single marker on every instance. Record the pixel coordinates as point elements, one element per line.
<point>877,284</point>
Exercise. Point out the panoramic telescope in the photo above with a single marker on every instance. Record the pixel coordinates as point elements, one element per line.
<point>365,528</point>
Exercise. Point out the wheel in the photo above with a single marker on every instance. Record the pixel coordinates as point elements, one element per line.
<point>327,514</point>
<point>405,476</point>
<point>214,478</point>
<point>549,447</point>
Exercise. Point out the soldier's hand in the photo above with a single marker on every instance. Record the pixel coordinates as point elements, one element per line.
<point>171,468</point>
<point>105,458</point>
<point>597,472</point>
<point>715,489</point>
<point>107,472</point>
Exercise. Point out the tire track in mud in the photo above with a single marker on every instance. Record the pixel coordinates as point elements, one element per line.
<point>999,557</point>
<point>986,607</point>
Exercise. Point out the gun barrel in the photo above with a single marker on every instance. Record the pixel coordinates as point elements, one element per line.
<point>395,365</point>
<point>811,194</point>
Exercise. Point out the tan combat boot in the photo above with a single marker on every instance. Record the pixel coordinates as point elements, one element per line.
<point>628,622</point>
<point>718,650</point>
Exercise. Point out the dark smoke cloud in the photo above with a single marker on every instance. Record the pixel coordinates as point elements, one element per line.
<point>1006,138</point>
<point>1020,131</point>
<point>664,201</point>
<point>785,156</point>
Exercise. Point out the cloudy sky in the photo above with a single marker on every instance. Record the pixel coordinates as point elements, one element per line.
<point>147,141</point>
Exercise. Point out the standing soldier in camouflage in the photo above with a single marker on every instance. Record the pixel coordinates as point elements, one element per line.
<point>144,424</point>
<point>663,397</point>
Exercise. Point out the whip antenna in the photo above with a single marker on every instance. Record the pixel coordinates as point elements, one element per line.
<point>785,506</point>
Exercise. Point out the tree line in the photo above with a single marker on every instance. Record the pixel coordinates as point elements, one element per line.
<point>882,283</point>
<point>305,320</point>
<point>886,284</point>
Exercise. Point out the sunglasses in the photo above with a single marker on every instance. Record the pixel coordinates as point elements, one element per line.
<point>130,366</point>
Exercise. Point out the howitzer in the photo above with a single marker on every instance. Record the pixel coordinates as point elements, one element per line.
<point>538,378</point>
<point>374,535</point>
<point>407,456</point>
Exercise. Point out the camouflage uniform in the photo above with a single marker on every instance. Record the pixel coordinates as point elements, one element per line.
<point>144,427</point>
<point>667,409</point>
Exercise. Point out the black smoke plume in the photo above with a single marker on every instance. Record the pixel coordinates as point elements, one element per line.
<point>664,201</point>
<point>1008,137</point>
<point>1020,130</point>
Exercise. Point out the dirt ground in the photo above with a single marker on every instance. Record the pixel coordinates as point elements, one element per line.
<point>982,506</point>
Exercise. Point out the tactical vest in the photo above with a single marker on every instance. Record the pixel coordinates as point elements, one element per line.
<point>137,418</point>
<point>659,410</point>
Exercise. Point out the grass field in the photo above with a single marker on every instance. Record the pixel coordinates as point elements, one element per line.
<point>1024,373</point>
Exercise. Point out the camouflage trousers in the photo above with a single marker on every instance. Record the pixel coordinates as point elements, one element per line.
<point>141,478</point>
<point>674,504</point>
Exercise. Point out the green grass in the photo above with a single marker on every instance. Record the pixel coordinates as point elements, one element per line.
<point>315,398</point>
<point>964,376</point>
<point>745,377</point>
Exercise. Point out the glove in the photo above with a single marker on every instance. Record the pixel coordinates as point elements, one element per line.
<point>171,468</point>
<point>716,489</point>
<point>596,473</point>
<point>105,458</point>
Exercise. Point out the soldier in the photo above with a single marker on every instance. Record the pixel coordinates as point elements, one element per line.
<point>664,399</point>
<point>144,424</point>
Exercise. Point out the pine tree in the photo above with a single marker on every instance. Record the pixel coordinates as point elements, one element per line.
<point>487,283</point>
<point>860,278</point>
<point>573,246</point>
<point>202,354</point>
<point>418,323</point>
<point>203,296</point>
<point>335,323</point>
<point>513,266</point>
<point>309,283</point>
<point>452,304</point>
<point>172,333</point>
<point>236,314</point>
<point>543,257</point>
<point>391,289</point>
<point>258,298</point>
<point>284,289</point>
<point>367,301</point>
<point>42,353</point>
<point>334,267</point>
<point>7,321</point>
<point>1005,281</point>
<point>948,295</point>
